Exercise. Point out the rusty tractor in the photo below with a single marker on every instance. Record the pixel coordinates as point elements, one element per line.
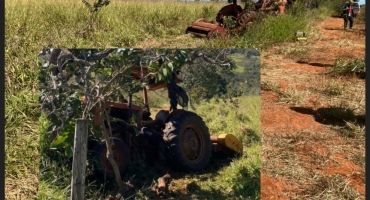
<point>174,137</point>
<point>241,17</point>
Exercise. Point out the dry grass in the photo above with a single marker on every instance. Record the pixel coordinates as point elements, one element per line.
<point>270,86</point>
<point>304,158</point>
<point>295,50</point>
<point>304,167</point>
<point>331,187</point>
<point>293,96</point>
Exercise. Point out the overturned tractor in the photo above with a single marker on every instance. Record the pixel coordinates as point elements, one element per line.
<point>174,137</point>
<point>241,18</point>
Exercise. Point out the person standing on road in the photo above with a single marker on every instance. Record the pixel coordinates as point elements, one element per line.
<point>348,15</point>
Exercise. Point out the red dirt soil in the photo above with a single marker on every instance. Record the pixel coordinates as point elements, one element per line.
<point>271,186</point>
<point>276,118</point>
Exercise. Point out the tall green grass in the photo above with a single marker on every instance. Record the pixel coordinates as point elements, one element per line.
<point>123,23</point>
<point>268,30</point>
<point>329,8</point>
<point>31,25</point>
<point>276,29</point>
<point>127,23</point>
<point>242,119</point>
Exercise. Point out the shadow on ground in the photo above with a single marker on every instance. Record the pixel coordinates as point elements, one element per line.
<point>315,64</point>
<point>245,186</point>
<point>335,29</point>
<point>332,115</point>
<point>360,31</point>
<point>337,16</point>
<point>143,176</point>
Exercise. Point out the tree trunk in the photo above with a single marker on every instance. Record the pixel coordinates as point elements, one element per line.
<point>109,144</point>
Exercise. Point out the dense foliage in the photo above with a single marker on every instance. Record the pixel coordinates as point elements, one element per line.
<point>105,75</point>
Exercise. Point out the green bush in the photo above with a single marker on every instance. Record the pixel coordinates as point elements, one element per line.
<point>331,8</point>
<point>349,67</point>
<point>361,18</point>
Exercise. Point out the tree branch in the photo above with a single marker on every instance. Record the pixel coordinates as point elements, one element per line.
<point>109,146</point>
<point>103,54</point>
<point>197,55</point>
<point>121,70</point>
<point>54,56</point>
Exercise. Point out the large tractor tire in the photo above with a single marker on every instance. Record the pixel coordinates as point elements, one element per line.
<point>189,141</point>
<point>121,155</point>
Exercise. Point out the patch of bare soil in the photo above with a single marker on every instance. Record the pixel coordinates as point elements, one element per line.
<point>274,188</point>
<point>301,141</point>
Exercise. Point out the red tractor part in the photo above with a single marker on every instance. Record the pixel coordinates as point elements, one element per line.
<point>203,28</point>
<point>244,19</point>
<point>119,106</point>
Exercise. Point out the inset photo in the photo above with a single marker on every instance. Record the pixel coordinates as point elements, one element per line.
<point>124,123</point>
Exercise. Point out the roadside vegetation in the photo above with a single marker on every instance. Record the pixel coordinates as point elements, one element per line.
<point>132,23</point>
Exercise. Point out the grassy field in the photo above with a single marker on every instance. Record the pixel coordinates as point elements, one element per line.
<point>33,25</point>
<point>129,23</point>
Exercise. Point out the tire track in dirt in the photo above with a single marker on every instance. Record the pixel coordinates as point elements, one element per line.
<point>297,146</point>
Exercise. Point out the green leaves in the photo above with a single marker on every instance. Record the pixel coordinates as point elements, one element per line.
<point>183,54</point>
<point>153,67</point>
<point>113,75</point>
<point>164,71</point>
<point>65,140</point>
<point>230,23</point>
<point>107,71</point>
<point>96,5</point>
<point>159,76</point>
<point>170,67</point>
<point>163,74</point>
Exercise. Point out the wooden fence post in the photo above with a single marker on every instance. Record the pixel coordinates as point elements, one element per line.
<point>79,160</point>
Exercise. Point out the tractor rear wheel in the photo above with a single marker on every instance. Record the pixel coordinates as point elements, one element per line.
<point>121,155</point>
<point>189,141</point>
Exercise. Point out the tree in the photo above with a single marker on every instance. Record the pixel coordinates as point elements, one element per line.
<point>205,79</point>
<point>100,75</point>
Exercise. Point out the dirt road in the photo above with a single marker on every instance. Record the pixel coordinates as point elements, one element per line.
<point>306,152</point>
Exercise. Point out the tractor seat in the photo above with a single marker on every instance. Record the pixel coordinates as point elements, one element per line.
<point>162,115</point>
<point>159,119</point>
